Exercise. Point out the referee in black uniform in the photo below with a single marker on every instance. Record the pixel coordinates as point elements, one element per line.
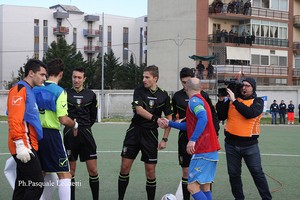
<point>149,101</point>
<point>82,106</point>
<point>180,102</point>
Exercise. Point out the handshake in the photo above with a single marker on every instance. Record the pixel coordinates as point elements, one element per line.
<point>163,123</point>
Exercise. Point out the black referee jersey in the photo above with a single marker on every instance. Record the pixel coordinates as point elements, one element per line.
<point>82,106</point>
<point>155,102</point>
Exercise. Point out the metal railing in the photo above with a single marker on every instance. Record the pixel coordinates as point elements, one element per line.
<point>296,72</point>
<point>250,11</point>
<point>253,70</point>
<point>265,41</point>
<point>297,20</point>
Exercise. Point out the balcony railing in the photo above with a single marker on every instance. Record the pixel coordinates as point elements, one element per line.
<point>62,30</point>
<point>246,10</point>
<point>297,21</point>
<point>296,72</point>
<point>91,49</point>
<point>252,70</point>
<point>265,41</point>
<point>296,48</point>
<point>91,33</point>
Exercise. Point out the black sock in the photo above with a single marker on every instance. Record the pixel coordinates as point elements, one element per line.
<point>151,188</point>
<point>94,185</point>
<point>122,185</point>
<point>73,188</point>
<point>186,193</point>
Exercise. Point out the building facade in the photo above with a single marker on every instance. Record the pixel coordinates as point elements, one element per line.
<point>27,32</point>
<point>259,38</point>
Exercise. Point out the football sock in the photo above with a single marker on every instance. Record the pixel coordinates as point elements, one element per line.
<point>199,196</point>
<point>50,182</point>
<point>94,185</point>
<point>73,188</point>
<point>208,195</point>
<point>150,188</point>
<point>64,189</point>
<point>186,193</point>
<point>122,185</point>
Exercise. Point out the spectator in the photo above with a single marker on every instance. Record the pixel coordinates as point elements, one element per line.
<point>299,113</point>
<point>210,71</point>
<point>290,111</point>
<point>274,108</point>
<point>200,68</point>
<point>282,112</point>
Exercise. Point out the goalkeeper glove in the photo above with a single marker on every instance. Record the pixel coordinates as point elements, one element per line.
<point>23,153</point>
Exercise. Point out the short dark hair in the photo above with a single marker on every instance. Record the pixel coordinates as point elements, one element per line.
<point>33,65</point>
<point>187,72</point>
<point>80,69</point>
<point>153,70</point>
<point>55,66</point>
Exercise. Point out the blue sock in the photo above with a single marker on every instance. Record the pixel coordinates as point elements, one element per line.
<point>208,195</point>
<point>199,196</point>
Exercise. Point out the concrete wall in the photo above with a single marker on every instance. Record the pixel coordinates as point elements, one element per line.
<point>117,103</point>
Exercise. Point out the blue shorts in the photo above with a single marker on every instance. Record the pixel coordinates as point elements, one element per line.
<point>52,152</point>
<point>202,170</point>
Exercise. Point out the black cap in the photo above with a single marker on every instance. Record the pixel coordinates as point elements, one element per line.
<point>251,81</point>
<point>185,72</point>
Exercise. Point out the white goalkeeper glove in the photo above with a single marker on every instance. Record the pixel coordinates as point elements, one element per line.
<point>23,153</point>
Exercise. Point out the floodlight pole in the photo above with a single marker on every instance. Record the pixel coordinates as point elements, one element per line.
<point>102,69</point>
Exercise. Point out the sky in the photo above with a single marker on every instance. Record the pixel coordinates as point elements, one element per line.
<point>128,8</point>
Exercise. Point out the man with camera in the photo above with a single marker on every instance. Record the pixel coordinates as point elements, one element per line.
<point>243,111</point>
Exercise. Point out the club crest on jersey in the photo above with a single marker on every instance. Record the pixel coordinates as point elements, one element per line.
<point>151,103</point>
<point>78,101</point>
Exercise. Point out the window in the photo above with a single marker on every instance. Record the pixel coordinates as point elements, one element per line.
<point>36,55</point>
<point>36,22</point>
<point>282,61</point>
<point>264,60</point>
<point>36,39</point>
<point>274,60</point>
<point>125,45</point>
<point>109,29</point>
<point>297,62</point>
<point>45,24</point>
<point>125,29</point>
<point>46,40</point>
<point>255,59</point>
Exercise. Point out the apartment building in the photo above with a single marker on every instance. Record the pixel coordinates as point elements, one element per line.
<point>258,38</point>
<point>26,32</point>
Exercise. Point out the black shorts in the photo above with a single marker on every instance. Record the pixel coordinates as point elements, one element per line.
<point>138,138</point>
<point>83,144</point>
<point>183,157</point>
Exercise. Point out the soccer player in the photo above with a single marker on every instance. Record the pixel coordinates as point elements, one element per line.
<point>24,131</point>
<point>82,106</point>
<point>203,142</point>
<point>52,152</point>
<point>149,101</point>
<point>180,102</point>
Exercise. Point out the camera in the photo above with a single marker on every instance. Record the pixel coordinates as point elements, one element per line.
<point>233,84</point>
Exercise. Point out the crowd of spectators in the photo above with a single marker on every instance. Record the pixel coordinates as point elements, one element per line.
<point>233,37</point>
<point>234,6</point>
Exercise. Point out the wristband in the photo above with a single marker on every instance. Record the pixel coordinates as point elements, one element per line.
<point>165,139</point>
<point>76,125</point>
<point>154,118</point>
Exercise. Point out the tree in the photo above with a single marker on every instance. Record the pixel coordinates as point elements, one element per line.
<point>68,54</point>
<point>111,66</point>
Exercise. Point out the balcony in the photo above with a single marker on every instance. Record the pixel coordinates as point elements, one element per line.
<point>296,48</point>
<point>297,21</point>
<point>249,40</point>
<point>91,49</point>
<point>226,11</point>
<point>62,30</point>
<point>296,73</point>
<point>91,18</point>
<point>60,15</point>
<point>252,70</point>
<point>90,33</point>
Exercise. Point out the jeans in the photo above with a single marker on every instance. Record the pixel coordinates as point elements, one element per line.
<point>282,118</point>
<point>251,156</point>
<point>274,117</point>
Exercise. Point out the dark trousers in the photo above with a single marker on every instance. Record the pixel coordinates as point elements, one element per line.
<point>29,181</point>
<point>282,118</point>
<point>251,156</point>
<point>274,117</point>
